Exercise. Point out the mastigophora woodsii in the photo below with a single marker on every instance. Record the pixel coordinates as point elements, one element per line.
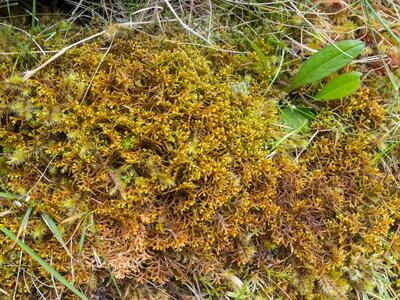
<point>166,162</point>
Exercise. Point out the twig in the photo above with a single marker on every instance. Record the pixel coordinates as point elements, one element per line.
<point>30,36</point>
<point>97,69</point>
<point>392,240</point>
<point>28,74</point>
<point>184,25</point>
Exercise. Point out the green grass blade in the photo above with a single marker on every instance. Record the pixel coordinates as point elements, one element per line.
<point>281,140</point>
<point>382,21</point>
<point>8,196</point>
<point>296,120</point>
<point>388,71</point>
<point>33,15</point>
<point>384,152</point>
<point>326,61</point>
<point>277,72</point>
<point>24,223</point>
<point>45,265</point>
<point>82,239</point>
<point>53,227</point>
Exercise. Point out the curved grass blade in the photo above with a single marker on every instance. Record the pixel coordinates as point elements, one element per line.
<point>73,218</point>
<point>45,265</point>
<point>384,152</point>
<point>8,196</point>
<point>388,71</point>
<point>24,223</point>
<point>326,61</point>
<point>341,86</point>
<point>53,227</point>
<point>382,21</point>
<point>83,235</point>
<point>296,121</point>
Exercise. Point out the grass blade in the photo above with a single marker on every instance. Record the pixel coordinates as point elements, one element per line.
<point>33,15</point>
<point>382,21</point>
<point>8,196</point>
<point>73,218</point>
<point>24,223</point>
<point>45,265</point>
<point>53,227</point>
<point>388,71</point>
<point>384,152</point>
<point>6,212</point>
<point>82,239</point>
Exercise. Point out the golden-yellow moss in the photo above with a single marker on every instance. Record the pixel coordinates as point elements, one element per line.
<point>167,145</point>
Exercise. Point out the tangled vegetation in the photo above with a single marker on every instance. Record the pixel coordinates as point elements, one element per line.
<point>165,162</point>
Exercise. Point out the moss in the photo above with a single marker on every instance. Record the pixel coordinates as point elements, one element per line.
<point>167,145</point>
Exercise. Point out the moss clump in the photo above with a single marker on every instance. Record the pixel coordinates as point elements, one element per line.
<point>167,146</point>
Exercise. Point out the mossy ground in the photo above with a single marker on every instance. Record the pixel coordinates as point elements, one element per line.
<point>172,151</point>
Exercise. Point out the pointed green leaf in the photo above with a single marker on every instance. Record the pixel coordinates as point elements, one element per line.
<point>340,86</point>
<point>326,61</point>
<point>305,112</point>
<point>8,196</point>
<point>81,241</point>
<point>53,227</point>
<point>45,265</point>
<point>24,223</point>
<point>83,235</point>
<point>297,119</point>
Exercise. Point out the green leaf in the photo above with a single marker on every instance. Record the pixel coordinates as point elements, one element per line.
<point>81,241</point>
<point>53,227</point>
<point>45,265</point>
<point>340,86</point>
<point>83,235</point>
<point>297,119</point>
<point>326,61</point>
<point>24,223</point>
<point>8,196</point>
